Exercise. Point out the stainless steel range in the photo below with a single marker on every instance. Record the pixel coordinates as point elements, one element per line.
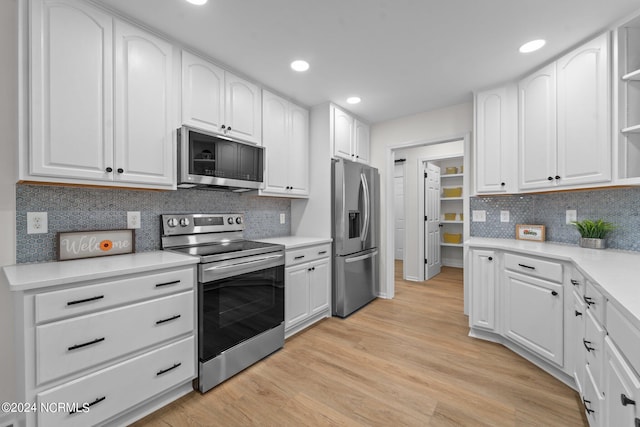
<point>240,292</point>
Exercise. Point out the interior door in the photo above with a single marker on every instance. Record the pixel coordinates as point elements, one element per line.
<point>398,184</point>
<point>432,263</point>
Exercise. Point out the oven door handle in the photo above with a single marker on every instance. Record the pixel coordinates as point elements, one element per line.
<point>242,264</point>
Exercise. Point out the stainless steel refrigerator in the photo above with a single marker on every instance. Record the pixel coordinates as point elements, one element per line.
<point>355,230</point>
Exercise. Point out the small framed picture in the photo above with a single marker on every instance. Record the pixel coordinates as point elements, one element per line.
<point>530,232</point>
<point>90,244</point>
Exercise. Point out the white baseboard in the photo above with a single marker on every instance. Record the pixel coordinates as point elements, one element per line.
<point>453,262</point>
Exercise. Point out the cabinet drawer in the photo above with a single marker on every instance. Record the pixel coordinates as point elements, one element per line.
<point>625,335</point>
<point>592,400</point>
<point>84,299</point>
<point>595,301</point>
<point>594,347</point>
<point>307,254</point>
<point>120,387</point>
<point>74,344</point>
<point>534,267</point>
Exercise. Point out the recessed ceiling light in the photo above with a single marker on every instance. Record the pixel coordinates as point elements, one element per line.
<point>532,46</point>
<point>300,65</point>
<point>197,2</point>
<point>353,100</point>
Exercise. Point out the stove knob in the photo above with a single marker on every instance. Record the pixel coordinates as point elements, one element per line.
<point>239,220</point>
<point>230,220</point>
<point>172,222</point>
<point>184,222</point>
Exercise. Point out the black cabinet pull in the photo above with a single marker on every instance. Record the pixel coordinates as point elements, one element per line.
<point>578,313</point>
<point>550,178</point>
<point>527,266</point>
<point>502,184</point>
<point>223,127</point>
<point>98,400</point>
<point>109,169</point>
<point>299,257</point>
<point>554,293</point>
<point>574,282</point>
<point>626,401</point>
<point>586,345</point>
<point>322,252</point>
<point>168,319</point>
<point>557,176</point>
<point>77,346</point>
<point>589,410</point>
<point>490,258</point>
<point>164,371</point>
<point>588,300</point>
<point>159,285</point>
<point>80,301</point>
<point>229,129</point>
<point>120,170</point>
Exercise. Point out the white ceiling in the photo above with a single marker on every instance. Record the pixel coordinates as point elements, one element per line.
<point>400,56</point>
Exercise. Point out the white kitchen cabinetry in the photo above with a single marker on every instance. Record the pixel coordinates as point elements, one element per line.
<point>349,136</point>
<point>218,101</point>
<point>621,388</point>
<point>86,65</point>
<point>285,136</point>
<point>483,290</point>
<point>564,121</point>
<point>307,287</point>
<point>495,142</point>
<point>121,345</point>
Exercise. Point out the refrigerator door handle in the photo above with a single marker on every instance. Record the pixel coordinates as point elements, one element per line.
<point>367,207</point>
<point>361,257</point>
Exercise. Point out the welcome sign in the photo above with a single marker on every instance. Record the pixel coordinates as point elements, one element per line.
<point>90,244</point>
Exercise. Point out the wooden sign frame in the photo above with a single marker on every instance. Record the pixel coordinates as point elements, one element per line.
<point>534,233</point>
<point>95,243</point>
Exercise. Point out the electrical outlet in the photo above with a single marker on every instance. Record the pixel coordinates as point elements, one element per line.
<point>572,215</point>
<point>504,216</point>
<point>133,219</point>
<point>282,218</point>
<point>479,216</point>
<point>37,223</point>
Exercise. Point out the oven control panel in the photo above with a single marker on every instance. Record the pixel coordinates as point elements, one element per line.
<point>179,224</point>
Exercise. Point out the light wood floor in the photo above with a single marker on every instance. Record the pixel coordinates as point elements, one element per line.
<point>401,362</point>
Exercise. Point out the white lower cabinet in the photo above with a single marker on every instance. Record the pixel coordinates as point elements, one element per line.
<point>484,276</point>
<point>577,338</point>
<point>592,400</point>
<point>621,388</point>
<point>307,287</point>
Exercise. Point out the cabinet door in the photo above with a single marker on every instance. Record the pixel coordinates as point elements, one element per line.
<point>296,295</point>
<point>299,151</point>
<point>577,336</point>
<point>276,140</point>
<point>71,93</point>
<point>483,289</point>
<point>534,315</point>
<point>319,286</point>
<point>342,134</point>
<point>621,388</point>
<point>495,141</point>
<point>144,145</point>
<point>361,142</point>
<point>243,109</point>
<point>537,129</point>
<point>584,140</point>
<point>202,93</point>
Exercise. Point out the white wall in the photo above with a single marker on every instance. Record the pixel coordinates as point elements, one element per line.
<point>8,174</point>
<point>428,126</point>
<point>412,263</point>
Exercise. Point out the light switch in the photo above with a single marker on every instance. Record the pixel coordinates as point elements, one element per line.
<point>479,216</point>
<point>504,216</point>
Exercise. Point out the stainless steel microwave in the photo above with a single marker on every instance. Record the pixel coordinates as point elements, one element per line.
<point>206,160</point>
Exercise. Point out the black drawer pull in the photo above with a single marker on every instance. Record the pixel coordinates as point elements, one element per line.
<point>554,293</point>
<point>586,345</point>
<point>85,405</point>
<point>626,401</point>
<point>77,346</point>
<point>578,313</point>
<point>490,258</point>
<point>299,257</point>
<point>80,301</point>
<point>527,266</point>
<point>575,282</point>
<point>164,371</point>
<point>588,300</point>
<point>584,402</point>
<point>169,319</point>
<point>159,285</point>
<point>322,252</point>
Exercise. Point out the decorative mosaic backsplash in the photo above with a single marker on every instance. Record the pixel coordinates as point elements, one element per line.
<point>619,206</point>
<point>71,209</point>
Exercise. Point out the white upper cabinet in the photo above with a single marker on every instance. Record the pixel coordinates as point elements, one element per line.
<point>79,77</point>
<point>218,101</point>
<point>496,140</point>
<point>564,121</point>
<point>349,136</point>
<point>143,145</point>
<point>286,140</point>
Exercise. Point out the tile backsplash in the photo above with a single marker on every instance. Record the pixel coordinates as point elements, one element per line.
<point>74,208</point>
<point>620,206</point>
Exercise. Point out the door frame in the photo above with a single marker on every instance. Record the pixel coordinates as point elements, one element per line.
<point>403,163</point>
<point>387,288</point>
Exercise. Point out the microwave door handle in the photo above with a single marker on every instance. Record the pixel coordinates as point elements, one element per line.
<point>367,203</point>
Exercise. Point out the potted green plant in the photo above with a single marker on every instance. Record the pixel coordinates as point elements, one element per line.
<point>593,233</point>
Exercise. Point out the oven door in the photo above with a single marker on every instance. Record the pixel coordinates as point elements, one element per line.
<point>236,308</point>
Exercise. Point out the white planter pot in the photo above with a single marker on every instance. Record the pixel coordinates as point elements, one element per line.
<point>586,242</point>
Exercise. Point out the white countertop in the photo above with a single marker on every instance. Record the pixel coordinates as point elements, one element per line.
<point>294,242</point>
<point>23,277</point>
<point>616,273</point>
